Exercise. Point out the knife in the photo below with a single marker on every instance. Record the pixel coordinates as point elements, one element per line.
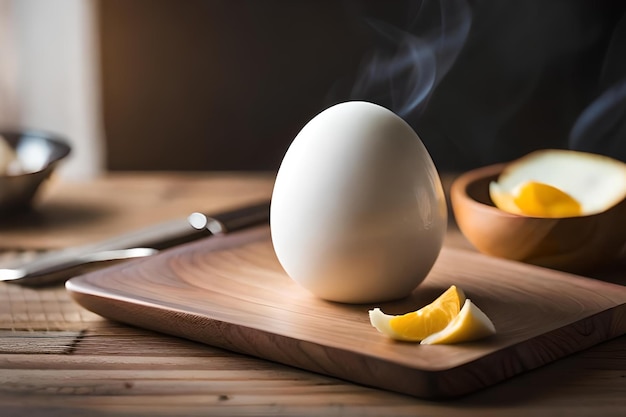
<point>58,265</point>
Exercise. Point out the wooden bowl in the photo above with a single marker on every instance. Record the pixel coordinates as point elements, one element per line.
<point>574,244</point>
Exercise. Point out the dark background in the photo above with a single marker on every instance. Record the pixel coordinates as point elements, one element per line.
<point>226,85</point>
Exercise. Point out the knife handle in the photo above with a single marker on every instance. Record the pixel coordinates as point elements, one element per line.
<point>231,221</point>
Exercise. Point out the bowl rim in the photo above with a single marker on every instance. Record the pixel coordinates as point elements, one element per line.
<point>458,189</point>
<point>62,148</point>
<point>458,192</point>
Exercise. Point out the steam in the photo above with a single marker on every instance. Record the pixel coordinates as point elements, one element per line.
<point>404,71</point>
<point>601,128</point>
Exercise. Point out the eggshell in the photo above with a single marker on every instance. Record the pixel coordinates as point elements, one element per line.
<point>358,213</point>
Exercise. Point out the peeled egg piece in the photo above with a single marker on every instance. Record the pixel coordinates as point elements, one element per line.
<point>358,213</point>
<point>7,156</point>
<point>560,183</point>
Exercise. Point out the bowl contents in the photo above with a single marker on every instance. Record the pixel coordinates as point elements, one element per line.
<point>451,318</point>
<point>358,213</point>
<point>559,183</point>
<point>9,163</point>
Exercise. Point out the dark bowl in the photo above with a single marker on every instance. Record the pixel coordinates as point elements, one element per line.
<point>38,154</point>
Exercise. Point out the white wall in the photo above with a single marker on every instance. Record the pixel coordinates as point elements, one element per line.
<point>57,77</point>
<point>8,67</point>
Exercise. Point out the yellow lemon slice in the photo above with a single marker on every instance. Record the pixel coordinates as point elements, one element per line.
<point>535,199</point>
<point>544,200</point>
<point>559,183</point>
<point>417,325</point>
<point>470,324</point>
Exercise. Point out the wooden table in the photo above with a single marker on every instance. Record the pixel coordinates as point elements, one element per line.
<point>58,359</point>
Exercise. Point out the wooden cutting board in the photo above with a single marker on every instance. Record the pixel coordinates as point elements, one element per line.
<point>232,293</point>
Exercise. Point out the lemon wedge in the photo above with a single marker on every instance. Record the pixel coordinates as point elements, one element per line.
<point>416,325</point>
<point>543,200</point>
<point>559,183</point>
<point>470,324</point>
<point>536,199</point>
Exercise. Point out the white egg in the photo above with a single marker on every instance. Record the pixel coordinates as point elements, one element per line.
<point>358,213</point>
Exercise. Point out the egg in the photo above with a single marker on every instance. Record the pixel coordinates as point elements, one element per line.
<point>358,213</point>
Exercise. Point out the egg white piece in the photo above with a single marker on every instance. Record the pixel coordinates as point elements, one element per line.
<point>7,156</point>
<point>595,181</point>
<point>358,213</point>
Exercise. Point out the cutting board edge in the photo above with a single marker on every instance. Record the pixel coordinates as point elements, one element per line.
<point>434,384</point>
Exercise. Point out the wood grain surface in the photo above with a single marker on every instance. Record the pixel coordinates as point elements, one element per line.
<point>230,292</point>
<point>81,212</point>
<point>59,359</point>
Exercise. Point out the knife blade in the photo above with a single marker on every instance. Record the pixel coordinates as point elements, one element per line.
<point>59,265</point>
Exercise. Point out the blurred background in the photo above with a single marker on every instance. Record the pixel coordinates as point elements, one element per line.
<point>227,84</point>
